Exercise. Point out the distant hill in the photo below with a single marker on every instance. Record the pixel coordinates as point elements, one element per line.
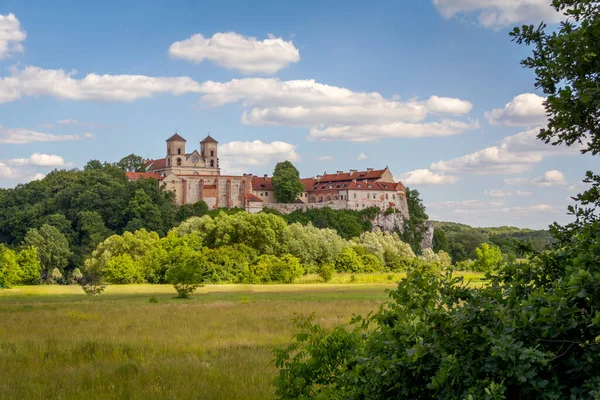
<point>461,240</point>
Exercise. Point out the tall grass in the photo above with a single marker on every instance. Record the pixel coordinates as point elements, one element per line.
<point>57,343</point>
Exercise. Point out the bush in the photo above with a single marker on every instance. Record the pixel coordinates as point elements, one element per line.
<point>272,269</point>
<point>76,276</point>
<point>349,261</point>
<point>313,246</point>
<point>371,263</point>
<point>10,272</point>
<point>55,277</point>
<point>489,258</point>
<point>186,270</point>
<point>123,270</point>
<point>326,272</point>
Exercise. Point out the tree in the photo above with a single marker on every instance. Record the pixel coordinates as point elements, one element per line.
<point>414,226</point>
<point>566,64</point>
<point>10,272</point>
<point>29,263</point>
<point>489,258</point>
<point>52,247</point>
<point>286,182</point>
<point>186,271</point>
<point>132,163</point>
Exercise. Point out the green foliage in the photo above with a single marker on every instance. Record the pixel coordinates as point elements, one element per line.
<point>52,248</point>
<point>186,270</point>
<point>326,272</point>
<point>414,227</point>
<point>489,258</point>
<point>56,276</point>
<point>387,247</point>
<point>187,211</point>
<point>10,272</point>
<point>272,269</point>
<point>122,269</point>
<point>30,266</point>
<point>347,223</point>
<point>76,275</point>
<point>566,62</point>
<point>313,246</point>
<point>286,182</point>
<point>132,163</point>
<point>349,261</point>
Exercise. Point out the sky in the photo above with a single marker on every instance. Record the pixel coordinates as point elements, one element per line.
<point>433,89</point>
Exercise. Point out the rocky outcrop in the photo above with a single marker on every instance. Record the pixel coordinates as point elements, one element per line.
<point>393,222</point>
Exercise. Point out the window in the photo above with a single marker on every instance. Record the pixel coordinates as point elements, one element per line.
<point>386,196</point>
<point>212,153</point>
<point>179,151</point>
<point>394,196</point>
<point>179,161</point>
<point>212,163</point>
<point>355,197</point>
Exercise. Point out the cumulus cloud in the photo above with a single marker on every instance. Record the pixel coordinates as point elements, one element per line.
<point>524,193</point>
<point>550,178</point>
<point>426,177</point>
<point>11,35</point>
<point>499,13</point>
<point>6,171</point>
<point>238,156</point>
<point>40,160</point>
<point>34,81</point>
<point>361,156</point>
<point>231,50</point>
<point>24,136</point>
<point>373,132</point>
<point>496,193</point>
<point>449,105</point>
<point>514,154</point>
<point>524,110</point>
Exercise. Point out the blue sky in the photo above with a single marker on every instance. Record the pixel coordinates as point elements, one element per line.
<point>432,89</point>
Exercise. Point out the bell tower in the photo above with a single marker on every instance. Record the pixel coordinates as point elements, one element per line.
<point>175,151</point>
<point>208,149</point>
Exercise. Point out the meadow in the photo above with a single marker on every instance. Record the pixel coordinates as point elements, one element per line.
<point>139,341</point>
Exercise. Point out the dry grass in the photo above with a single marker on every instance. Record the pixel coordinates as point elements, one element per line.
<point>137,341</point>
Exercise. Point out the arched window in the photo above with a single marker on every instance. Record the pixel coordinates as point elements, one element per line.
<point>212,153</point>
<point>179,161</point>
<point>179,151</point>
<point>212,163</point>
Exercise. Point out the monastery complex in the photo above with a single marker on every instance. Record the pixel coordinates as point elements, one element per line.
<point>196,175</point>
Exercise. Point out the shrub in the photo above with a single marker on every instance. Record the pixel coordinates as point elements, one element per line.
<point>186,270</point>
<point>122,269</point>
<point>10,272</point>
<point>76,276</point>
<point>326,272</point>
<point>272,269</point>
<point>313,246</point>
<point>489,258</point>
<point>371,263</point>
<point>349,261</point>
<point>56,277</point>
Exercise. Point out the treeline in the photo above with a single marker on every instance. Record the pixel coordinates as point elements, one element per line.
<point>461,241</point>
<point>248,248</point>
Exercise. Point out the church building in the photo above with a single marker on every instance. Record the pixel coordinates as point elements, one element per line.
<point>196,175</point>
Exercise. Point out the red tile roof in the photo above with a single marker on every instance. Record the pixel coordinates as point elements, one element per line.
<point>348,176</point>
<point>177,138</point>
<point>358,185</point>
<point>251,197</point>
<point>159,163</point>
<point>261,183</point>
<point>308,183</point>
<point>134,176</point>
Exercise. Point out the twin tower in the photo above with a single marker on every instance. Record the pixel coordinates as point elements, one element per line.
<point>203,162</point>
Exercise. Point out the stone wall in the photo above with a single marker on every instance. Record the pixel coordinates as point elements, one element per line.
<point>287,208</point>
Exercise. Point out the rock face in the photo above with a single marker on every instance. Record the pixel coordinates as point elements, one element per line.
<point>392,222</point>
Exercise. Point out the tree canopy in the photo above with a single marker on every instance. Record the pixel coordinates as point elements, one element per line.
<point>286,182</point>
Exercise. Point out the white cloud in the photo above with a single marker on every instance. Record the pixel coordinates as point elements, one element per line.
<point>361,156</point>
<point>234,51</point>
<point>68,121</point>
<point>524,194</point>
<point>449,105</point>
<point>40,160</point>
<point>6,171</point>
<point>373,132</point>
<point>24,136</point>
<point>499,13</point>
<point>239,156</point>
<point>497,193</point>
<point>324,158</point>
<point>523,110</point>
<point>514,154</point>
<point>426,177</point>
<point>11,35</point>
<point>35,81</point>
<point>550,178</point>
<point>35,177</point>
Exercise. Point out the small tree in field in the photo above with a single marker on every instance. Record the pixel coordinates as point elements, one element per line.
<point>286,182</point>
<point>186,271</point>
<point>489,258</point>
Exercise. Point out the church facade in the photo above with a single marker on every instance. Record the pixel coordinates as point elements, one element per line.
<point>195,176</point>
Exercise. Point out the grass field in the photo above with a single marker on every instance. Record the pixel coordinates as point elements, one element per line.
<point>138,341</point>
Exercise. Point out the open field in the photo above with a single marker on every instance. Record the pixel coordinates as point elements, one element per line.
<point>137,341</point>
